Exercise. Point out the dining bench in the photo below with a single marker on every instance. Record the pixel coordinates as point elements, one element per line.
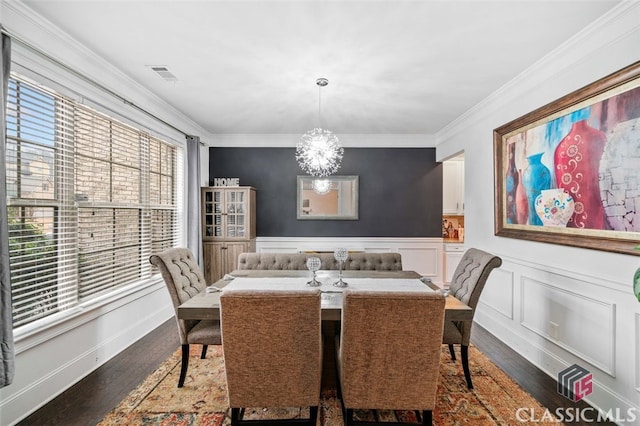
<point>357,261</point>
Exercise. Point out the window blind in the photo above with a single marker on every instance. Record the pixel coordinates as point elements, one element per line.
<point>89,199</point>
<point>40,213</point>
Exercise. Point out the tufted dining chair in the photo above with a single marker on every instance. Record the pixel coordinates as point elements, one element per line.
<point>402,372</point>
<point>357,261</point>
<point>272,345</point>
<point>468,281</point>
<point>184,279</point>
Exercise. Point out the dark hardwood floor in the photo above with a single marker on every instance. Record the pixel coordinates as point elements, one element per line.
<point>87,402</point>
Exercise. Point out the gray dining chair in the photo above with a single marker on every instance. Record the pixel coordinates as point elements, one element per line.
<point>184,279</point>
<point>272,345</point>
<point>388,352</point>
<point>467,284</point>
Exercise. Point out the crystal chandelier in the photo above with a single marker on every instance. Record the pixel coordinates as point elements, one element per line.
<point>319,151</point>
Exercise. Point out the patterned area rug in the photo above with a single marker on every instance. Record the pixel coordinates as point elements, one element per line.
<point>203,401</point>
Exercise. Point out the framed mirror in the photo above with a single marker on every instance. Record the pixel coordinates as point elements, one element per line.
<point>333,197</point>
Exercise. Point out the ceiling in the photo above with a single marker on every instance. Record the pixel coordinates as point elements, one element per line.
<point>394,67</point>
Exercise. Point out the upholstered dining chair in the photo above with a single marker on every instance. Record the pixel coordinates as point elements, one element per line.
<point>388,352</point>
<point>467,283</point>
<point>184,279</point>
<point>272,345</point>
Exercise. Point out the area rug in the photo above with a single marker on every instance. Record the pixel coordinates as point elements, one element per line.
<point>202,400</point>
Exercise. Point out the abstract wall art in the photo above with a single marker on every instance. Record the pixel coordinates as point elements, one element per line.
<point>569,172</point>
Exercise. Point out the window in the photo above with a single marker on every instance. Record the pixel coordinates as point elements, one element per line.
<point>89,199</point>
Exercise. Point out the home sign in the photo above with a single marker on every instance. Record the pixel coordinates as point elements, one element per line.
<point>226,181</point>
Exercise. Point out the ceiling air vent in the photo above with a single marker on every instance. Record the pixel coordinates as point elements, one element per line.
<point>163,72</point>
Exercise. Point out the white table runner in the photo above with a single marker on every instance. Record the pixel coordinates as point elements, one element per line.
<point>299,283</point>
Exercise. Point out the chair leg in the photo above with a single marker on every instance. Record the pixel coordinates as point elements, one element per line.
<point>235,416</point>
<point>185,364</point>
<point>452,352</point>
<point>464,352</point>
<point>427,418</point>
<point>348,416</point>
<point>313,415</point>
<point>204,352</point>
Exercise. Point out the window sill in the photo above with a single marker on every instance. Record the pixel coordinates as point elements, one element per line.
<point>32,335</point>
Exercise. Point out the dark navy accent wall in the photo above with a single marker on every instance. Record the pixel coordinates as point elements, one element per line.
<point>400,193</point>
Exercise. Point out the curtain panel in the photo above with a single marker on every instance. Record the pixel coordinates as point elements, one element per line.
<point>194,229</point>
<point>6,324</point>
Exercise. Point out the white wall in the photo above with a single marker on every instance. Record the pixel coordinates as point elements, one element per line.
<point>52,359</point>
<point>588,293</point>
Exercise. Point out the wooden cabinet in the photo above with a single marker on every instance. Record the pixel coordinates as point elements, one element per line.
<point>453,187</point>
<point>228,228</point>
<point>222,257</point>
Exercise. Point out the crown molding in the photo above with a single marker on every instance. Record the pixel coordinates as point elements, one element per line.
<point>347,140</point>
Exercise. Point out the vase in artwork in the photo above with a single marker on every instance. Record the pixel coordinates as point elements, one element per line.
<point>618,173</point>
<point>636,284</point>
<point>535,178</point>
<point>511,186</point>
<point>554,207</point>
<point>522,205</point>
<point>576,161</point>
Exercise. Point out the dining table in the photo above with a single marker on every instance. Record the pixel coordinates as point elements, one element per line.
<point>206,304</point>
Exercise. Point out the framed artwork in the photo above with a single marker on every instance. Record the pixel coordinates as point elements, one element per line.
<point>569,172</point>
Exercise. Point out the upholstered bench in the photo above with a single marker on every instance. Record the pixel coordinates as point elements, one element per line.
<point>357,261</point>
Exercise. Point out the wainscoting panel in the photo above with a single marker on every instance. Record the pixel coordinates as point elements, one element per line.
<point>424,260</point>
<point>582,325</point>
<point>498,292</point>
<point>423,255</point>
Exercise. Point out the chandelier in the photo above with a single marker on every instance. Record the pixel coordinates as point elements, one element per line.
<point>319,151</point>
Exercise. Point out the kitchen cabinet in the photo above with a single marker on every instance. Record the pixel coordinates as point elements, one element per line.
<point>453,253</point>
<point>453,187</point>
<point>228,228</point>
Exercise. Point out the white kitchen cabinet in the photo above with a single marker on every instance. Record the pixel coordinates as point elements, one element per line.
<point>452,255</point>
<point>453,187</point>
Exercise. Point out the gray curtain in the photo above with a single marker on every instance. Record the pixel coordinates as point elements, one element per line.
<point>6,323</point>
<point>194,228</point>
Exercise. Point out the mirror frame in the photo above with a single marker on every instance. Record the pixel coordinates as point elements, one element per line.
<point>354,198</point>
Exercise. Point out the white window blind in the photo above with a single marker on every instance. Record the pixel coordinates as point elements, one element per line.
<point>89,199</point>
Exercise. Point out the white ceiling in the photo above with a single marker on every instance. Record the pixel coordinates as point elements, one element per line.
<point>394,67</point>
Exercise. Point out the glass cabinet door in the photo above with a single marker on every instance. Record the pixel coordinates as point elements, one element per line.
<point>226,213</point>
<point>213,204</point>
<point>236,209</point>
<point>217,213</point>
